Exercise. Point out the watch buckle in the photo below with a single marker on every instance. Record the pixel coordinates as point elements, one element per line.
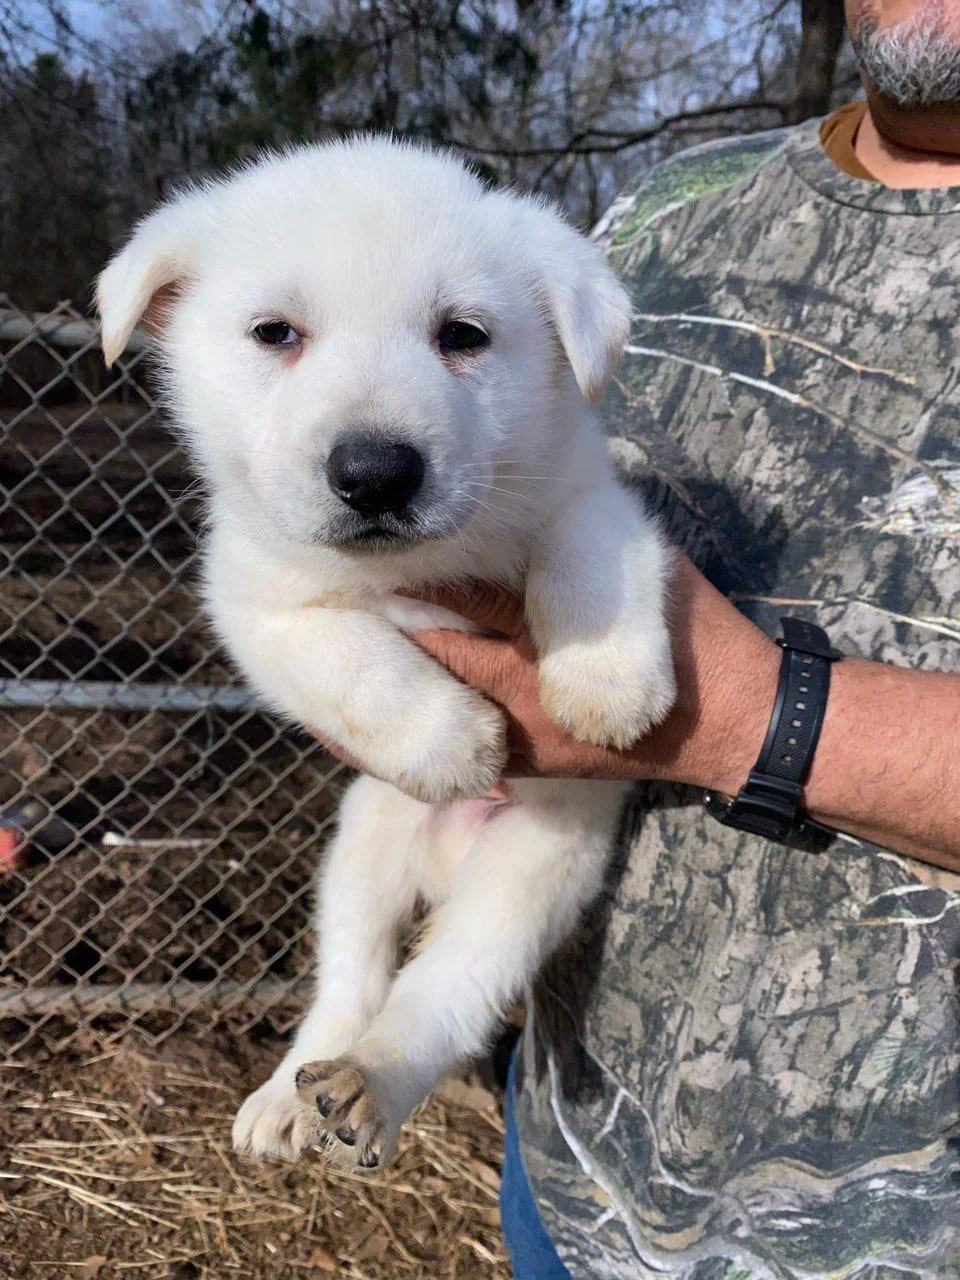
<point>805,638</point>
<point>764,806</point>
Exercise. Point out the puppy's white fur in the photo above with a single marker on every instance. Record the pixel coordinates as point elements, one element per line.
<point>365,248</point>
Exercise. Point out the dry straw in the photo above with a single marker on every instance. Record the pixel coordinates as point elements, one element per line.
<point>121,1167</point>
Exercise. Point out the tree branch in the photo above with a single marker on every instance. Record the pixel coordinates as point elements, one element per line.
<point>612,140</point>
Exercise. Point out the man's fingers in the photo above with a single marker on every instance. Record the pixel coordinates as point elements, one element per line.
<point>476,660</point>
<point>489,606</point>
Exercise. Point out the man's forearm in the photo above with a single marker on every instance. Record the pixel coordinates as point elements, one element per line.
<point>887,767</point>
<point>888,764</point>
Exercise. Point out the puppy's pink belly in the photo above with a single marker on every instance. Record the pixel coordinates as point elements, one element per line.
<point>470,816</point>
<point>474,813</point>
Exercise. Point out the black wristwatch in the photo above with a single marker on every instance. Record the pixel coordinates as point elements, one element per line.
<point>769,802</point>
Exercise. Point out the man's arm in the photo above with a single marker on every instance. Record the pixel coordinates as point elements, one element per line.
<point>887,767</point>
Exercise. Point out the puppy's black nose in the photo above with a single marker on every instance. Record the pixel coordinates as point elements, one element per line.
<point>373,476</point>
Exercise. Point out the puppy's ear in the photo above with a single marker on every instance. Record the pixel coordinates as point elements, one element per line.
<point>143,279</point>
<point>588,305</point>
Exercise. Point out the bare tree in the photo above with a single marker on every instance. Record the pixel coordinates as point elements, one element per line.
<point>823,28</point>
<point>569,97</point>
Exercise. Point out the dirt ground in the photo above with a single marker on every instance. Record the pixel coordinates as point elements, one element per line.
<point>118,1167</point>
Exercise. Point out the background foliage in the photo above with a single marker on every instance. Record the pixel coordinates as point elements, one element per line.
<point>105,104</point>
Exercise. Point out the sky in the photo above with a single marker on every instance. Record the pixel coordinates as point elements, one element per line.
<point>107,28</point>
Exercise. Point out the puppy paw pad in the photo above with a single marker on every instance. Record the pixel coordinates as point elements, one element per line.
<point>357,1133</point>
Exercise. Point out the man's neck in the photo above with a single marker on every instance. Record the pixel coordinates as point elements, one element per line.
<point>909,149</point>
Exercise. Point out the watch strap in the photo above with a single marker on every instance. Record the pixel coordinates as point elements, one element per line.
<point>768,803</point>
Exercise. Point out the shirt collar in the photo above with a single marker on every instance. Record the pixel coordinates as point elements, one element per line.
<point>806,156</point>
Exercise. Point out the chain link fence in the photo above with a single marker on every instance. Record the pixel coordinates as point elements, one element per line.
<point>157,831</point>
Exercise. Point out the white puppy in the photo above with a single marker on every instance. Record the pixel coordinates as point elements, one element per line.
<point>381,368</point>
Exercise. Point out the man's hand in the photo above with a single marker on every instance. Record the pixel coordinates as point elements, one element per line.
<point>690,746</point>
<point>726,672</point>
<point>887,767</point>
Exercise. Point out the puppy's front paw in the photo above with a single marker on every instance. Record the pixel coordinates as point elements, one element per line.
<point>455,750</point>
<point>358,1131</point>
<point>609,695</point>
<point>274,1122</point>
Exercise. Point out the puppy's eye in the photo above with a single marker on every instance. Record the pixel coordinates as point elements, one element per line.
<point>461,335</point>
<point>275,333</point>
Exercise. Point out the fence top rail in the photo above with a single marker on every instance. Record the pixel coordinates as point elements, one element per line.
<point>58,330</point>
<point>115,695</point>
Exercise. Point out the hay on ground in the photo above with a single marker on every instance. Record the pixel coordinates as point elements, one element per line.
<point>118,1166</point>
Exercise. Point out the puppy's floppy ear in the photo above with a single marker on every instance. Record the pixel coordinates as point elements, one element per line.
<point>588,305</point>
<point>143,277</point>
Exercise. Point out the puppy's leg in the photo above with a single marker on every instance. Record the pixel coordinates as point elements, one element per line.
<point>356,679</point>
<point>365,889</point>
<point>596,605</point>
<point>524,879</point>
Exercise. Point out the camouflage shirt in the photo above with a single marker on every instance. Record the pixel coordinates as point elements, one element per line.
<point>748,1062</point>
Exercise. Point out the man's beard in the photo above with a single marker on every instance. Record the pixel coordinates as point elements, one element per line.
<point>915,62</point>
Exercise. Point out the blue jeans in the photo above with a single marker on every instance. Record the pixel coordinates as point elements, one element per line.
<point>531,1250</point>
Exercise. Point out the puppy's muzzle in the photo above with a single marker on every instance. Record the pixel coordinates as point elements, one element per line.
<point>375,477</point>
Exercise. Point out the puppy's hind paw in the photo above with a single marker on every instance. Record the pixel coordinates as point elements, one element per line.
<point>274,1122</point>
<point>358,1131</point>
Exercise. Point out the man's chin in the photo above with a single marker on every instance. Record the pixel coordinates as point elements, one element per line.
<point>913,64</point>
